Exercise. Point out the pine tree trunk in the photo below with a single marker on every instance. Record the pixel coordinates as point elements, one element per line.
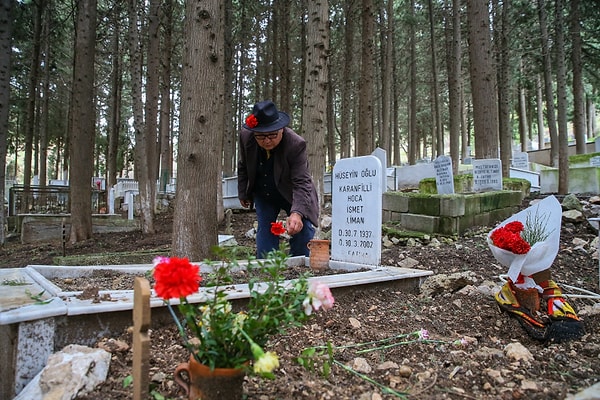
<point>453,64</point>
<point>548,92</point>
<point>483,81</point>
<point>578,92</point>
<point>83,122</point>
<point>5,55</point>
<point>314,117</point>
<point>364,135</point>
<point>199,155</point>
<point>561,95</point>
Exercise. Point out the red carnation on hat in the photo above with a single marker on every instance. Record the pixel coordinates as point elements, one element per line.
<point>251,121</point>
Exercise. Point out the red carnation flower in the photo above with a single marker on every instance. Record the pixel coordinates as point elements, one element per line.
<point>251,121</point>
<point>176,278</point>
<point>515,226</point>
<point>506,239</point>
<point>277,228</point>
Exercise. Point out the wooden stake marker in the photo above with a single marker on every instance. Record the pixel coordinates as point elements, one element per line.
<point>141,339</point>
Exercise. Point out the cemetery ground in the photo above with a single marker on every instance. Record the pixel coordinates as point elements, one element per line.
<point>470,353</point>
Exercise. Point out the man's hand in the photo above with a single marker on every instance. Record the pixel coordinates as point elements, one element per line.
<point>294,223</point>
<point>245,203</point>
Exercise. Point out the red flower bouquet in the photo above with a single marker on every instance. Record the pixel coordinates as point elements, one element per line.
<point>509,238</point>
<point>528,241</point>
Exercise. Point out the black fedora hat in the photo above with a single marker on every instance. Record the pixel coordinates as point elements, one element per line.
<point>266,118</point>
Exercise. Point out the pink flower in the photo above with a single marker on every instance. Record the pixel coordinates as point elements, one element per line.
<point>319,296</point>
<point>423,334</point>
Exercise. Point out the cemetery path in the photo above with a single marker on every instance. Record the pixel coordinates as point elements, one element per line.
<point>477,368</point>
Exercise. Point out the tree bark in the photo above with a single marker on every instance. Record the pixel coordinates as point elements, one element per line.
<point>365,133</point>
<point>453,64</point>
<point>5,69</point>
<point>199,155</point>
<point>413,139</point>
<point>502,28</point>
<point>83,122</point>
<point>483,81</point>
<point>548,92</point>
<point>578,92</point>
<point>561,94</point>
<point>314,117</point>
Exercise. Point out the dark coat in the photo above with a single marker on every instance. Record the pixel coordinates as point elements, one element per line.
<point>291,173</point>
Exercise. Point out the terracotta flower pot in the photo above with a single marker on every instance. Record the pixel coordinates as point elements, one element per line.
<point>319,254</point>
<point>202,383</point>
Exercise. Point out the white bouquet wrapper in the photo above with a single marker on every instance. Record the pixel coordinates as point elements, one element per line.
<point>542,254</point>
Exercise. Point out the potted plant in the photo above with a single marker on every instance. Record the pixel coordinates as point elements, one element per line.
<point>222,340</point>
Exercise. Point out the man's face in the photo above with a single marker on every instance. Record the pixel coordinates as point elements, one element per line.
<point>269,140</point>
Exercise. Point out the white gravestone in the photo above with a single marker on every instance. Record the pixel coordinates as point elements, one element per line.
<point>520,160</point>
<point>595,161</point>
<point>356,210</point>
<point>487,175</point>
<point>444,178</point>
<point>381,154</point>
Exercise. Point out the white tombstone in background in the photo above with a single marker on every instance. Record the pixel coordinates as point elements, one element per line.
<point>487,174</point>
<point>520,160</point>
<point>595,161</point>
<point>356,210</point>
<point>381,154</point>
<point>597,145</point>
<point>111,200</point>
<point>444,177</point>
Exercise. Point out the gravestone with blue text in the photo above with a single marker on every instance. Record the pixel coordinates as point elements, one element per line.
<point>356,210</point>
<point>444,177</point>
<point>487,174</point>
<point>595,161</point>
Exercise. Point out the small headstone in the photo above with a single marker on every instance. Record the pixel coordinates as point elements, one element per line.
<point>444,178</point>
<point>595,161</point>
<point>356,210</point>
<point>487,175</point>
<point>520,160</point>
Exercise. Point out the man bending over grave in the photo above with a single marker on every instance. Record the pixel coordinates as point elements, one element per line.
<point>273,175</point>
<point>528,243</point>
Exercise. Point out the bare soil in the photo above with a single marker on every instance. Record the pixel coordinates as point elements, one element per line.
<point>436,369</point>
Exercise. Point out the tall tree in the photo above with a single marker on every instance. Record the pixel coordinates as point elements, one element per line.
<point>453,66</point>
<point>483,80</point>
<point>364,136</point>
<point>413,139</point>
<point>578,92</point>
<point>314,117</point>
<point>387,80</point>
<point>438,131</point>
<point>199,155</point>
<point>115,97</point>
<point>548,92</point>
<point>33,92</point>
<point>502,30</point>
<point>144,145</point>
<point>5,55</point>
<point>166,151</point>
<point>561,95</point>
<point>83,122</point>
<point>350,15</point>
